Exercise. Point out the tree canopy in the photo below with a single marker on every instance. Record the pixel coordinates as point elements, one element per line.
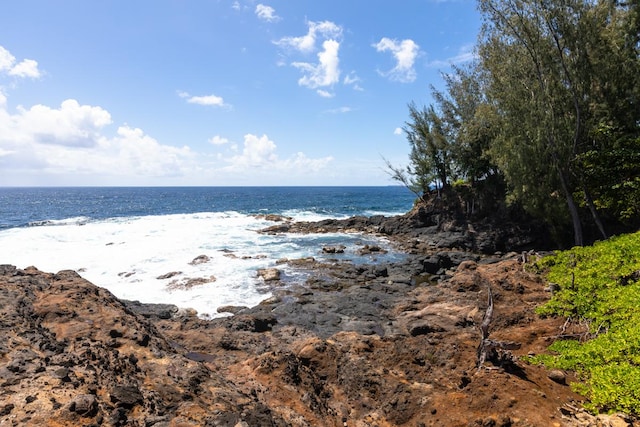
<point>550,106</point>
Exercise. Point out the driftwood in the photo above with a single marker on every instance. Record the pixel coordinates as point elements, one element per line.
<point>496,352</point>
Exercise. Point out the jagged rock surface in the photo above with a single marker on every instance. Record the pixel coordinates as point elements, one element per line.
<point>354,345</point>
<point>379,352</point>
<point>72,354</point>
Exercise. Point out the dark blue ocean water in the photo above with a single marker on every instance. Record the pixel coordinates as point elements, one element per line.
<point>20,207</point>
<point>126,239</point>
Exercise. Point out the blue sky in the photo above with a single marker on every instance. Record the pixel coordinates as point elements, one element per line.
<point>218,92</point>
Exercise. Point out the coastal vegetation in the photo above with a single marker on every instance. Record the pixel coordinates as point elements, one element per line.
<point>598,293</point>
<point>546,118</point>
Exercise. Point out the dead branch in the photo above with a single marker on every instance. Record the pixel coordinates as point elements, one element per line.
<point>498,352</point>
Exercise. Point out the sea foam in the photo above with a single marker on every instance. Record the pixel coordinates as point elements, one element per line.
<point>151,258</point>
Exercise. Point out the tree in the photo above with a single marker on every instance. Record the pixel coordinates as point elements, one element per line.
<point>609,161</point>
<point>470,122</point>
<point>538,55</point>
<point>551,107</point>
<point>429,157</point>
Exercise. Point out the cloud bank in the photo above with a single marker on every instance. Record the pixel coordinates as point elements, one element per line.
<point>72,144</point>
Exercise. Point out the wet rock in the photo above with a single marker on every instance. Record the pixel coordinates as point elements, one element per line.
<point>189,283</point>
<point>269,274</point>
<point>233,309</point>
<point>334,249</point>
<point>200,259</point>
<point>169,275</point>
<point>371,249</point>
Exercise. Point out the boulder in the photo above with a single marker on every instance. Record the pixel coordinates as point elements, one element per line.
<point>269,274</point>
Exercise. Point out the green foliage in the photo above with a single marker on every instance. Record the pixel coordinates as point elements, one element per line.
<point>546,117</point>
<point>612,170</point>
<point>600,285</point>
<point>430,157</point>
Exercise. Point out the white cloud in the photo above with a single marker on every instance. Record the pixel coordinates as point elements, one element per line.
<point>307,43</point>
<point>325,93</point>
<point>76,143</point>
<point>397,131</point>
<point>303,164</point>
<point>326,72</point>
<point>24,68</point>
<point>353,80</point>
<point>141,154</point>
<point>266,13</point>
<point>235,5</point>
<point>259,153</point>
<point>72,140</point>
<point>405,54</point>
<point>218,140</point>
<point>6,59</point>
<point>71,125</point>
<point>340,110</point>
<point>207,100</point>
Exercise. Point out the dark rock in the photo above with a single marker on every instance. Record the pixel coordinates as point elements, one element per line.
<point>86,405</point>
<point>62,374</point>
<point>334,249</point>
<point>152,311</point>
<point>253,322</point>
<point>169,275</point>
<point>126,395</point>
<point>6,409</point>
<point>199,357</point>
<point>7,270</point>
<point>431,265</point>
<point>233,309</point>
<point>423,327</point>
<point>200,259</point>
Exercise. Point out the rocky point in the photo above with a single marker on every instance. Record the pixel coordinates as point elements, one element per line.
<point>354,345</point>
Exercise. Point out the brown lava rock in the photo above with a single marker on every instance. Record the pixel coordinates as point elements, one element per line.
<point>355,345</point>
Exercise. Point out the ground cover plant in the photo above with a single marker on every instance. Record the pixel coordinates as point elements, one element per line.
<point>598,288</point>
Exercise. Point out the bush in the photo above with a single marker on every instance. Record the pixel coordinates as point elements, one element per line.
<point>600,286</point>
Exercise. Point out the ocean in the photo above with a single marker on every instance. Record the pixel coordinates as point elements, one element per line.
<point>140,243</point>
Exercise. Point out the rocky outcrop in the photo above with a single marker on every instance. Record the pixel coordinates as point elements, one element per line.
<point>352,345</point>
<point>355,346</point>
<point>427,228</point>
<point>72,354</point>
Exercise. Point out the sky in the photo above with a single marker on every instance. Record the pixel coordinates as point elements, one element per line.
<point>219,92</point>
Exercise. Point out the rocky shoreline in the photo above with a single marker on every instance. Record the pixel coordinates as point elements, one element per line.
<point>354,345</point>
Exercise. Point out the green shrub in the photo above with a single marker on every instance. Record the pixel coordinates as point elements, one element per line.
<point>599,285</point>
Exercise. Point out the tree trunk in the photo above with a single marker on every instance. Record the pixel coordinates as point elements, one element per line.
<point>578,239</point>
<point>594,212</point>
